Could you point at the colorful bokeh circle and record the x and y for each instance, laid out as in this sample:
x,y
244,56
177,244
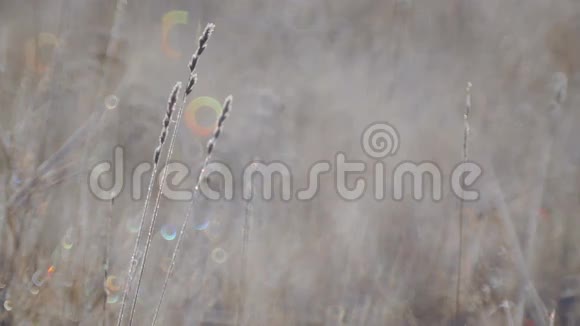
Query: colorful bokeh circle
x,y
202,225
67,241
133,225
191,114
111,102
113,298
112,284
219,255
169,232
38,278
34,290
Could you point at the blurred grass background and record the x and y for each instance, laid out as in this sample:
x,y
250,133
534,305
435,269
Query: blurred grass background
x,y
307,77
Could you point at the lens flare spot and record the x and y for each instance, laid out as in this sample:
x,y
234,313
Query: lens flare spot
x,y
113,298
133,225
191,117
201,226
169,232
219,255
51,271
112,284
38,278
111,102
67,241
34,290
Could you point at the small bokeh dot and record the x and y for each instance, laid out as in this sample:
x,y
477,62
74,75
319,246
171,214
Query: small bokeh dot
x,y
111,102
219,255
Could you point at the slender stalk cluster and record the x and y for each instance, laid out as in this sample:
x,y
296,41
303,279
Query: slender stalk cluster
x,y
192,80
220,125
195,57
210,148
166,121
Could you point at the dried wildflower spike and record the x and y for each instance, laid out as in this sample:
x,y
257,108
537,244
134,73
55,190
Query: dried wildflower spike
x,y
211,144
191,83
167,120
202,44
466,119
218,129
468,98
